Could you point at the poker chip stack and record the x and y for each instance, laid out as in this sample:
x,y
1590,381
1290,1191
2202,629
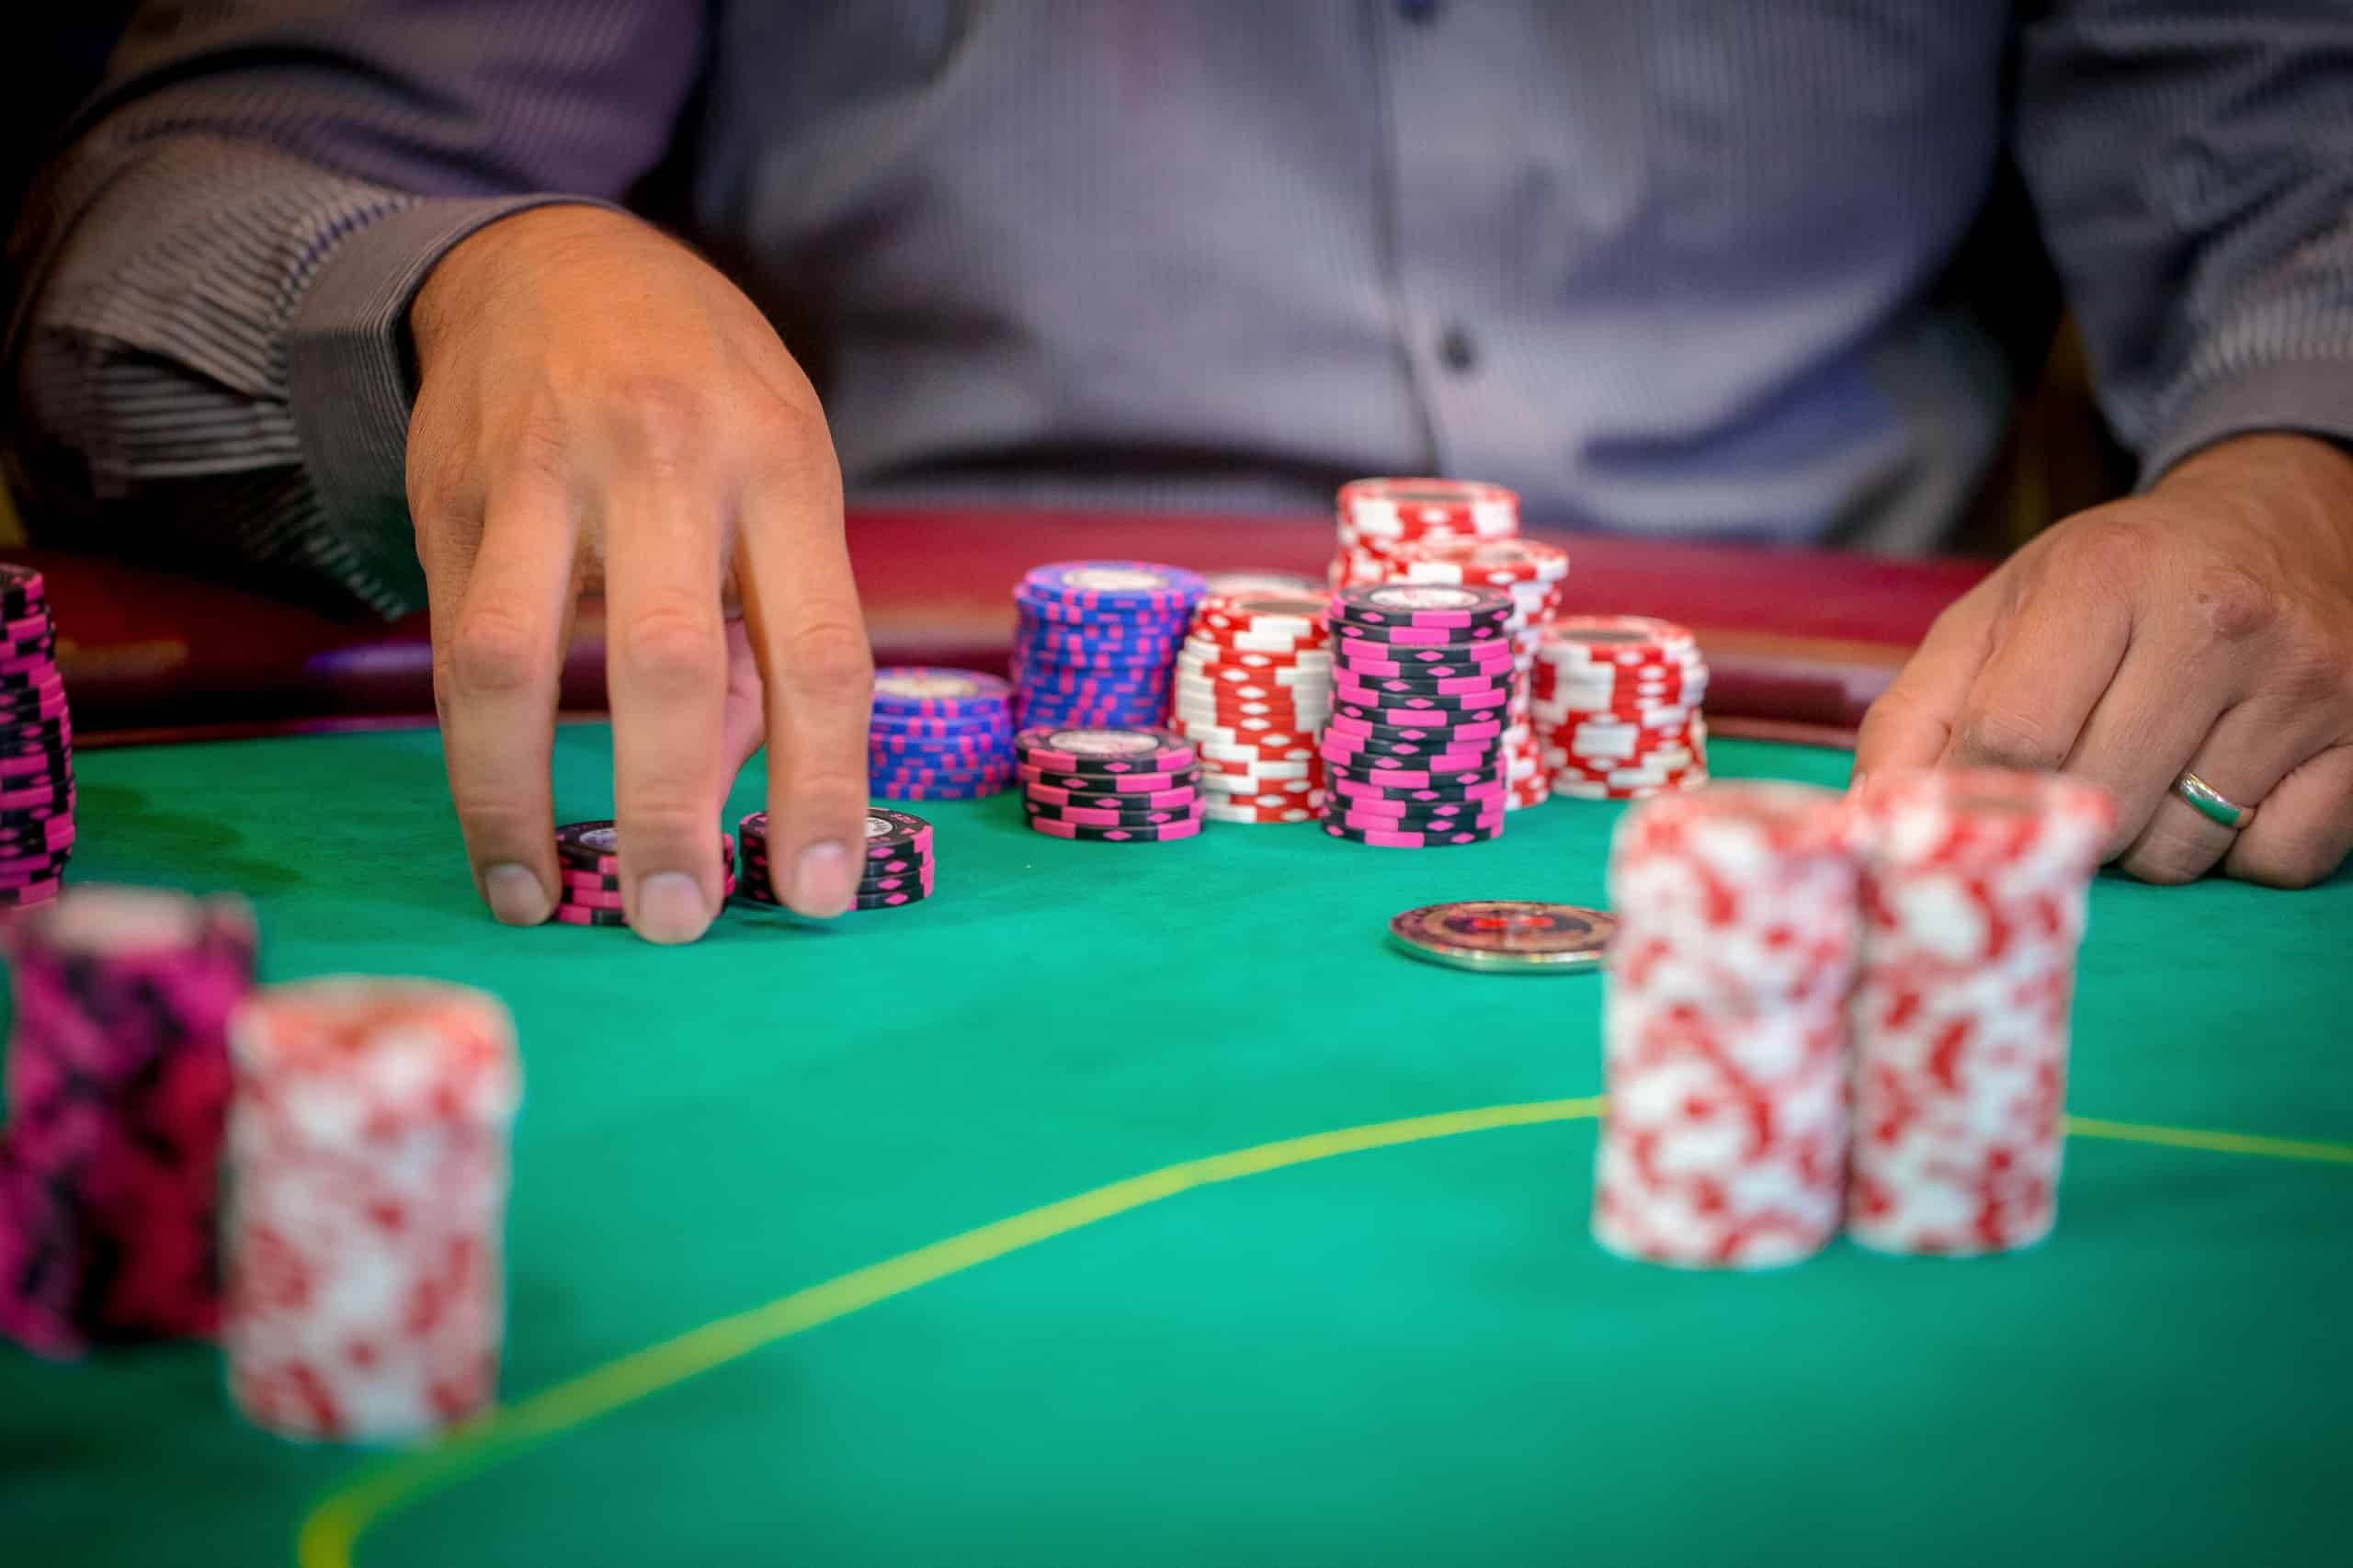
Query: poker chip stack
x,y
588,858
1377,518
1253,691
1531,572
367,1150
1974,885
1111,784
1421,688
36,745
939,734
1096,640
1616,701
118,1083
898,861
1725,1029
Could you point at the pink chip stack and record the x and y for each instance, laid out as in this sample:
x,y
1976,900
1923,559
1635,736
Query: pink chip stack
x,y
117,1082
368,1145
1725,1028
1974,886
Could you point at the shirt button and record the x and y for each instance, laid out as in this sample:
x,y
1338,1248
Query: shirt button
x,y
1421,13
1457,350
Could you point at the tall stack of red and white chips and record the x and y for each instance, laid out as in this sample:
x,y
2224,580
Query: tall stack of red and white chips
x,y
1974,885
1253,691
1379,518
1531,572
1616,701
1725,1028
117,1082
367,1146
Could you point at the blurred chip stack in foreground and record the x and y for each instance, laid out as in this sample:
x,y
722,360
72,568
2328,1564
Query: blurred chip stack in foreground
x,y
1724,1034
367,1146
118,1079
1974,885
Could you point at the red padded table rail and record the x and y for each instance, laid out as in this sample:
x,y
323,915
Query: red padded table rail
x,y
1802,637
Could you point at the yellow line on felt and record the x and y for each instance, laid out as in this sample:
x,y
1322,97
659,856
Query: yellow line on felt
x,y
332,1528
2210,1142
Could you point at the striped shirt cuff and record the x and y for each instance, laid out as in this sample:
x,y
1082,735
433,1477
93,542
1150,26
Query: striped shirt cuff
x,y
348,379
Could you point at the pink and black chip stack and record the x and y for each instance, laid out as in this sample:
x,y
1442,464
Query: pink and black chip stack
x,y
588,857
36,746
1422,677
1111,784
898,861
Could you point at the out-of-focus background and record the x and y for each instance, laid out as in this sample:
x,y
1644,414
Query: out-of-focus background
x,y
146,650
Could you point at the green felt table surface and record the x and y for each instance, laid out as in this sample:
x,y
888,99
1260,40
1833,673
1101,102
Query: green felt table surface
x,y
1412,1353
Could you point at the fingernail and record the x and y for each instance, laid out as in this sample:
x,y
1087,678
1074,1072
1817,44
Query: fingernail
x,y
516,896
1855,785
670,908
824,881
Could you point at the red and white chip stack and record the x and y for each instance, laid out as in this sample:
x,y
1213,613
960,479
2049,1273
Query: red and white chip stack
x,y
369,1126
1253,691
1531,572
1974,886
1725,1028
1616,701
1377,518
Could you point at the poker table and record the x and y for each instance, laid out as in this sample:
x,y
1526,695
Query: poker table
x,y
1136,1203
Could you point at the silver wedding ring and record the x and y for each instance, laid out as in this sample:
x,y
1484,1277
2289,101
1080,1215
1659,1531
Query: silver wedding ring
x,y
2212,803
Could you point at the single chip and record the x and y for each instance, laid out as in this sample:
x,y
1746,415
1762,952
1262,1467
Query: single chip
x,y
1505,936
1143,748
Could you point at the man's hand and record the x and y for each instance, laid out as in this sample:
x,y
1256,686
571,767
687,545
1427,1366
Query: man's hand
x,y
2206,626
596,403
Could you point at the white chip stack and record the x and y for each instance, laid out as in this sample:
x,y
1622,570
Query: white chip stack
x,y
1974,885
1725,1028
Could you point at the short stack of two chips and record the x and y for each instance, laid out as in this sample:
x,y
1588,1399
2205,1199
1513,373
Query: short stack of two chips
x,y
588,859
898,861
939,734
1422,679
1111,784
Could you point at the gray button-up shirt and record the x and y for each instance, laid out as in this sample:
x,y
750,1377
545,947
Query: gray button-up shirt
x,y
1673,265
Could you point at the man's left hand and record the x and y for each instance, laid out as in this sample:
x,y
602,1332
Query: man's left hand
x,y
2205,626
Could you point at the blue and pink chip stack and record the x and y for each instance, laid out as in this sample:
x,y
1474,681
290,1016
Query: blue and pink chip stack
x,y
939,734
1097,640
